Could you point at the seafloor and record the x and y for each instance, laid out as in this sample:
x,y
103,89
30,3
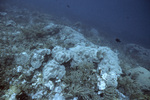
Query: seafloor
x,y
43,57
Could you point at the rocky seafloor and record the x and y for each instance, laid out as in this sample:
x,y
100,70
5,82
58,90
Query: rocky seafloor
x,y
42,58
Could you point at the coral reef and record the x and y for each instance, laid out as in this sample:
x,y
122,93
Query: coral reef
x,y
42,59
131,89
81,82
141,76
141,54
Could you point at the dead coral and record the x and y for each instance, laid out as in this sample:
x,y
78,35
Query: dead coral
x,y
37,31
85,93
33,31
110,93
130,88
81,82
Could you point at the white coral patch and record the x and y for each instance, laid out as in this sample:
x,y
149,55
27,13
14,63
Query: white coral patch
x,y
53,70
101,85
38,57
61,55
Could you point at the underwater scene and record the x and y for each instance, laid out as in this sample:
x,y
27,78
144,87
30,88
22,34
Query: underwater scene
x,y
74,50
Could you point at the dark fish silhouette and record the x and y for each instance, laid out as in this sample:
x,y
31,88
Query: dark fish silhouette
x,y
118,40
68,6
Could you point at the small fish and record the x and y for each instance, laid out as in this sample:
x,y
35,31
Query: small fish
x,y
68,6
117,40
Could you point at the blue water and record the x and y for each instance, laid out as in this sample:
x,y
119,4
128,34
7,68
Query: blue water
x,y
128,19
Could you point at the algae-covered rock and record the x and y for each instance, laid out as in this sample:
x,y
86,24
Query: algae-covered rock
x,y
61,55
38,57
22,58
108,63
140,54
52,28
73,38
53,70
141,76
10,23
3,13
131,89
81,82
109,66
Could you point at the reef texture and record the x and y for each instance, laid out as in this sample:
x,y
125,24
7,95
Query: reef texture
x,y
42,59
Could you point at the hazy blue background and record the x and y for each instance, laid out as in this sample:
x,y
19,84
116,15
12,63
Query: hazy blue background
x,y
125,19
